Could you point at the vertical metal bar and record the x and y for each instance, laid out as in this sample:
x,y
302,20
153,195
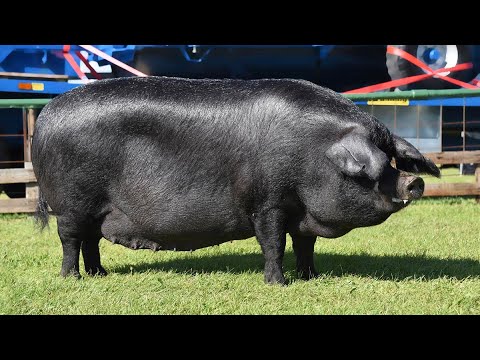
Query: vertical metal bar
x,y
26,148
32,116
31,188
441,127
464,135
395,119
464,127
29,121
477,181
418,128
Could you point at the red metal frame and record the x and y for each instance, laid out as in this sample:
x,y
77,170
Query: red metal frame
x,y
411,79
81,74
107,57
87,64
73,64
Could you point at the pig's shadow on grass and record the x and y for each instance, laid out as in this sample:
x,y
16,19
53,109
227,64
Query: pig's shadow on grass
x,y
378,267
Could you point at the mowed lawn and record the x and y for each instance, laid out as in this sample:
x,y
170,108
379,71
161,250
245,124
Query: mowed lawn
x,y
422,260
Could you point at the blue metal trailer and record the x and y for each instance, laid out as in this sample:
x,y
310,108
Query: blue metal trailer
x,y
55,68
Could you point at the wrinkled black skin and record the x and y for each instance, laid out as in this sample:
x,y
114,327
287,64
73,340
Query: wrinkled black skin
x,y
179,164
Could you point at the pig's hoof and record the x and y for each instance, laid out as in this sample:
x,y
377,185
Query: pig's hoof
x,y
71,272
96,271
307,274
275,279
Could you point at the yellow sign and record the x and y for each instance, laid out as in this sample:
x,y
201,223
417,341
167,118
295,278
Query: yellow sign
x,y
38,86
400,102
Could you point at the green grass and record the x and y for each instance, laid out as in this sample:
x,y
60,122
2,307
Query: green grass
x,y
422,260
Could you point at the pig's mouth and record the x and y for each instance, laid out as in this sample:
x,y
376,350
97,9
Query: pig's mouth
x,y
400,201
394,201
394,204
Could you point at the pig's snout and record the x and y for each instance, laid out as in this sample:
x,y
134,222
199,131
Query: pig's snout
x,y
411,187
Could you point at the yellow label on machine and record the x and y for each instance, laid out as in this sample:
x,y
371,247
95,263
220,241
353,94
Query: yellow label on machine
x,y
400,102
38,86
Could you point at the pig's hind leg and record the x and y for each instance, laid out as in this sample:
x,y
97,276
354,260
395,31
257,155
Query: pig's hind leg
x,y
91,256
76,235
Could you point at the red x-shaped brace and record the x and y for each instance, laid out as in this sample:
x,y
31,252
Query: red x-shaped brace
x,y
81,74
73,64
410,79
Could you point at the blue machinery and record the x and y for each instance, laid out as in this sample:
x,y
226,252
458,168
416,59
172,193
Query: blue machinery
x,y
51,70
47,69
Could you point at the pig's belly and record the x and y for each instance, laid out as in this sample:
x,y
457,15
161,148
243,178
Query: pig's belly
x,y
177,241
182,242
176,224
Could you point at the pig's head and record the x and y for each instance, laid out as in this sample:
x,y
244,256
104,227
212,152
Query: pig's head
x,y
358,186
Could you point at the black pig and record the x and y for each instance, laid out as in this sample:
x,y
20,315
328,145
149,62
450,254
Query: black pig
x,y
177,164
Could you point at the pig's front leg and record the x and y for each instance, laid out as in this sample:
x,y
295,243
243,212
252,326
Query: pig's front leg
x,y
303,248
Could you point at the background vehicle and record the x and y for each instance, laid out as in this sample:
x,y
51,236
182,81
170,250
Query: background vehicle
x,y
339,67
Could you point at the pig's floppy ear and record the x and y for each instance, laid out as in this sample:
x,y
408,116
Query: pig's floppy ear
x,y
409,159
356,155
